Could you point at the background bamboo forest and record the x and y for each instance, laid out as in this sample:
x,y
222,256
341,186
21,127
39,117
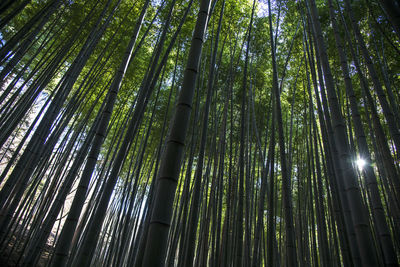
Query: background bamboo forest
x,y
199,133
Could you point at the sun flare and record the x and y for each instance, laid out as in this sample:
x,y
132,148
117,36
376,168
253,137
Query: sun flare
x,y
360,163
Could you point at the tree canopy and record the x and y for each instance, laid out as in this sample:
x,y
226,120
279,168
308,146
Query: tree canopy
x,y
199,133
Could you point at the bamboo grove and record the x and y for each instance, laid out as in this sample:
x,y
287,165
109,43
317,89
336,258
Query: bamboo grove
x,y
199,133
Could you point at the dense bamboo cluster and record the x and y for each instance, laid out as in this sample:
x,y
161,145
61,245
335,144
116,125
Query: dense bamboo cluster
x,y
199,133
